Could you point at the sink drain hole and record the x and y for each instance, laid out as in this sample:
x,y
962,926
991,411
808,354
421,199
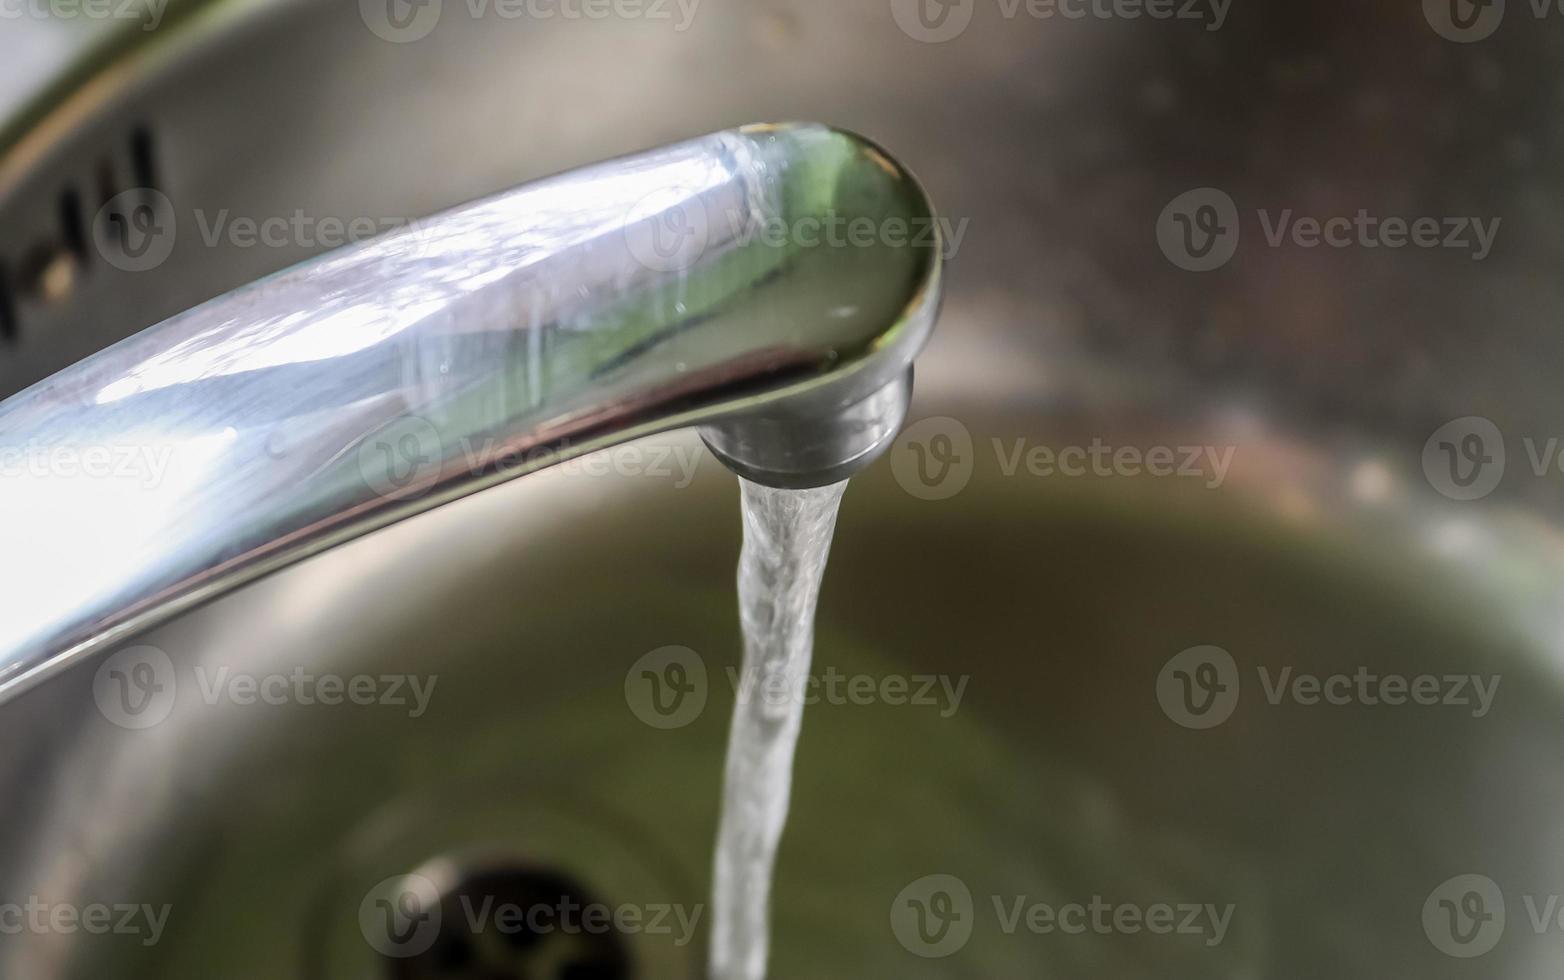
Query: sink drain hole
x,y
518,923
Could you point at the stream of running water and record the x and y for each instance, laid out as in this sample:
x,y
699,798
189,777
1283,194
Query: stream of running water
x,y
787,538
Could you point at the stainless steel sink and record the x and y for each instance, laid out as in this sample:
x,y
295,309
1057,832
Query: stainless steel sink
x,y
1087,755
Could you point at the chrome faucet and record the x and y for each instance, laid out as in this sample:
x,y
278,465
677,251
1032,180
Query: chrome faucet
x,y
770,285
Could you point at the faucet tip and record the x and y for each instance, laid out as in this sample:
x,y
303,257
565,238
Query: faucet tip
x,y
801,446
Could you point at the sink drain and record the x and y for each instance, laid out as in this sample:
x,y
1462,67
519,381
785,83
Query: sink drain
x,y
518,923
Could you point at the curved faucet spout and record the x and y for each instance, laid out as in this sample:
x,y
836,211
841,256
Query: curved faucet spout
x,y
770,285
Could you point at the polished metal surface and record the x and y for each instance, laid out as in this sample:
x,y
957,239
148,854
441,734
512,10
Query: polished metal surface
x,y
1334,542
656,291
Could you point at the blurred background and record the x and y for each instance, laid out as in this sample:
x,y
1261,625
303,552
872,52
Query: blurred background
x,y
1205,620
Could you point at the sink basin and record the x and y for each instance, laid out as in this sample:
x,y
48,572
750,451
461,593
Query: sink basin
x,y
1077,715
996,716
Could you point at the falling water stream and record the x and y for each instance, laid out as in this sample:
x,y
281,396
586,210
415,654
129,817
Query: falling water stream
x,y
787,538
